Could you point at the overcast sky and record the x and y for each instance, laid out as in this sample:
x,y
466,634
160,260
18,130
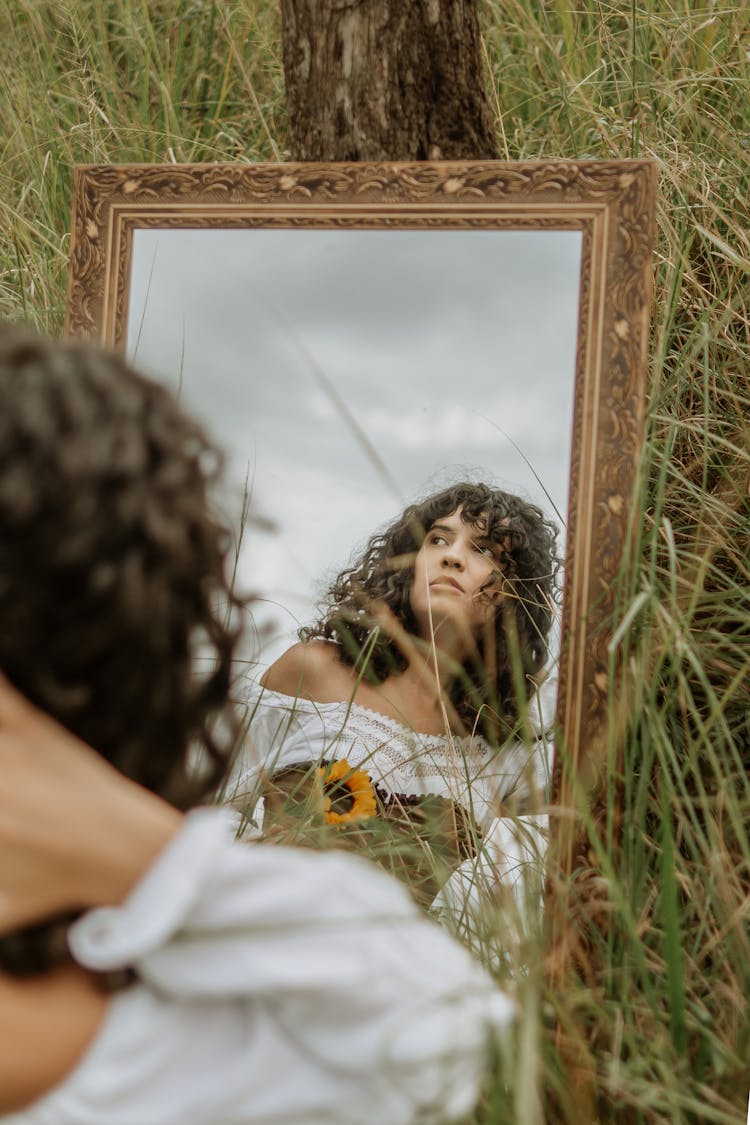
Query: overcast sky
x,y
352,371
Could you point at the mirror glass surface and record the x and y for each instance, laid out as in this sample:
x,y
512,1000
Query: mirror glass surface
x,y
348,372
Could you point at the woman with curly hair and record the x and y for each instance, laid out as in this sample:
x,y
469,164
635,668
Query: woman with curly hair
x,y
152,969
418,677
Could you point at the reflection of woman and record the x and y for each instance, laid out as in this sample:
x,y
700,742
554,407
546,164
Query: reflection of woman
x,y
419,674
246,984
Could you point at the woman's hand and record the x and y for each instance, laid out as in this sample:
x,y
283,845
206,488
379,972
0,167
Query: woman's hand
x,y
74,833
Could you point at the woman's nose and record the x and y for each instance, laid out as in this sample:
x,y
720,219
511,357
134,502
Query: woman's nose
x,y
453,557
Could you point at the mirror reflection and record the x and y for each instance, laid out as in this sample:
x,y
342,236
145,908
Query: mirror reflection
x,y
347,373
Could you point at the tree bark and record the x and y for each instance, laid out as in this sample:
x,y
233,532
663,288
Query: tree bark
x,y
385,80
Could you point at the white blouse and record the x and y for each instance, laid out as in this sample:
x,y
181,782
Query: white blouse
x,y
504,790
279,986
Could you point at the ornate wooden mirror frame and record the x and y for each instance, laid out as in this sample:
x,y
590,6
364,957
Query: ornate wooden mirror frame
x,y
610,203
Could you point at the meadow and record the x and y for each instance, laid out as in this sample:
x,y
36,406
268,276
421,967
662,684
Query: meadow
x,y
658,1012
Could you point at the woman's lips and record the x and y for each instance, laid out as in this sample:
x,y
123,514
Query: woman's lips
x,y
450,582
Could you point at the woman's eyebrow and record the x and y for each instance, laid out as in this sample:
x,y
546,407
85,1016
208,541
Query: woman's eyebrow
x,y
440,527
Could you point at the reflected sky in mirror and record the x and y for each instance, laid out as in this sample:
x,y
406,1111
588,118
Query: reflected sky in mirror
x,y
346,373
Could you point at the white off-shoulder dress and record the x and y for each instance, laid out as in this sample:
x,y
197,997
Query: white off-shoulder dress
x,y
504,790
275,986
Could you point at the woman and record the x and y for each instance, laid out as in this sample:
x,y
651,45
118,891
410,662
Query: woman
x,y
411,693
151,969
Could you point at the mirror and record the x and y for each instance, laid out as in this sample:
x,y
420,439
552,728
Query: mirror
x,y
358,335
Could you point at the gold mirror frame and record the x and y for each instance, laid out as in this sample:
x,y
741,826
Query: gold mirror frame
x,y
610,203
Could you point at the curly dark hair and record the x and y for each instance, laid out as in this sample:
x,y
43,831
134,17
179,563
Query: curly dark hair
x,y
485,692
117,617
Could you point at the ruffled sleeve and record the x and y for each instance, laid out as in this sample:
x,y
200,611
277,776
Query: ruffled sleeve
x,y
389,1018
282,731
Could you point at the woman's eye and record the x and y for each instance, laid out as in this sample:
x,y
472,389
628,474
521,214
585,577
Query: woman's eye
x,y
485,549
437,540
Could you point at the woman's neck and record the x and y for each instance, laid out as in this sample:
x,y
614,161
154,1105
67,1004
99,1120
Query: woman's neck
x,y
432,669
445,650
415,698
421,692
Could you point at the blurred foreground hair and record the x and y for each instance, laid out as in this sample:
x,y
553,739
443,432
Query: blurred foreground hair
x,y
117,616
484,694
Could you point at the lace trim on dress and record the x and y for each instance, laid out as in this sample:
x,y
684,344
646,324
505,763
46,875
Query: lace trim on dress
x,y
286,731
368,724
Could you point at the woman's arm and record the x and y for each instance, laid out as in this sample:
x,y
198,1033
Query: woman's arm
x,y
74,833
46,1024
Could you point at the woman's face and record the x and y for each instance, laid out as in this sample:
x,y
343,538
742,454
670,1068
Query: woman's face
x,y
456,576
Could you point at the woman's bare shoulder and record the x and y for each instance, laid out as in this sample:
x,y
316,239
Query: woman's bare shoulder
x,y
310,670
46,1025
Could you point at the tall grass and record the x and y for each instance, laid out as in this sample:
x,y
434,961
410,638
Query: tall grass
x,y
657,1014
122,81
661,999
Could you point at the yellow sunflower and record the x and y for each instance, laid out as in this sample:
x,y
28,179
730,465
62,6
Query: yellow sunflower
x,y
348,795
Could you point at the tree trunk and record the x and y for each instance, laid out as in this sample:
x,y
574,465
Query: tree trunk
x,y
385,80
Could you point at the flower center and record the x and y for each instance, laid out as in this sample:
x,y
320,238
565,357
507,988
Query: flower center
x,y
341,797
